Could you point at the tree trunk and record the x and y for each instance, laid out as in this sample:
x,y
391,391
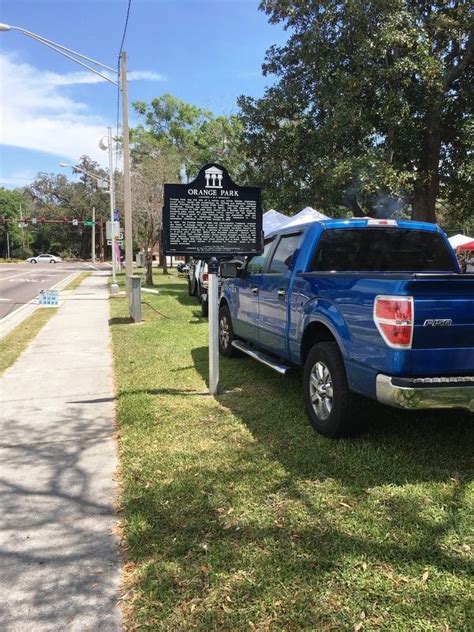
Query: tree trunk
x,y
427,187
163,261
149,268
350,200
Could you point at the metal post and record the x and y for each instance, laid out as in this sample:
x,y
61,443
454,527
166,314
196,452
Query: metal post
x,y
8,246
213,298
114,286
101,241
135,298
93,236
126,169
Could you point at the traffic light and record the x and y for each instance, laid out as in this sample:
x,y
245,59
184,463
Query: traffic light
x,y
2,220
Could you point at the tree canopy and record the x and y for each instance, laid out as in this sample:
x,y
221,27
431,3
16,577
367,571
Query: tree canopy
x,y
371,108
196,135
53,196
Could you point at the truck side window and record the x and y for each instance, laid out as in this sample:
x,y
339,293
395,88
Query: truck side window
x,y
284,253
255,263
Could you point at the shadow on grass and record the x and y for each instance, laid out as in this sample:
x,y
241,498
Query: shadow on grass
x,y
120,320
394,446
183,524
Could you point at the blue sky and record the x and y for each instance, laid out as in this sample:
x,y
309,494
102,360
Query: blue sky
x,y
206,52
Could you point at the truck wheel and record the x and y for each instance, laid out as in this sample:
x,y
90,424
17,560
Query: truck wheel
x,y
204,306
190,288
226,333
332,408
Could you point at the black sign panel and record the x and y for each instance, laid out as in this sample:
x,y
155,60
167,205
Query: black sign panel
x,y
212,216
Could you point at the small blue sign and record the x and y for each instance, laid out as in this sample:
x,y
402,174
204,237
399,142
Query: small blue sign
x,y
49,297
116,215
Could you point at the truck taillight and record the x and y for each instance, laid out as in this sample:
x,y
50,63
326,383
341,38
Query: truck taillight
x,y
394,318
205,277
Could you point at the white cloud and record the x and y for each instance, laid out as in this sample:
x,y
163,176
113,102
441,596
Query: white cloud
x,y
36,112
76,78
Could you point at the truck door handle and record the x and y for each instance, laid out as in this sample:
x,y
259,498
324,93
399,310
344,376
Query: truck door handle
x,y
255,290
281,293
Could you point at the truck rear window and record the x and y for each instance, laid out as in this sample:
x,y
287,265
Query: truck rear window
x,y
381,249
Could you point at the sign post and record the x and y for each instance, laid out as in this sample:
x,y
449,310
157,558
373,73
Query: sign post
x,y
211,218
213,298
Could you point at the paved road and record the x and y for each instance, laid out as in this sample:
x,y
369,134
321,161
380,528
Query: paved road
x,y
20,283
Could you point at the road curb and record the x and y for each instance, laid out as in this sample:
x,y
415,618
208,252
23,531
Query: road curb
x,y
8,323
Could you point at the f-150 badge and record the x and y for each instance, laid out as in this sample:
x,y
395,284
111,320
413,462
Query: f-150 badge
x,y
438,322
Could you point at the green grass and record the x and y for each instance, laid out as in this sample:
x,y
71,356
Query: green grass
x,y
76,282
237,516
13,345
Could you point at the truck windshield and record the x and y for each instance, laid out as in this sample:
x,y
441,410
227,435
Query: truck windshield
x,y
380,250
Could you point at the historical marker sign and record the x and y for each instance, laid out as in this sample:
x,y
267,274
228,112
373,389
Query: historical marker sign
x,y
212,216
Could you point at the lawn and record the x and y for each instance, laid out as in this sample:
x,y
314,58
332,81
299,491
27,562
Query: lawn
x,y
237,516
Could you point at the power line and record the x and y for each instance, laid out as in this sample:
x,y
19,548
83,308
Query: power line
x,y
125,27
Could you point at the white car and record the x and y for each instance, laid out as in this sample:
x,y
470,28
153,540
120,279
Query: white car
x,y
44,259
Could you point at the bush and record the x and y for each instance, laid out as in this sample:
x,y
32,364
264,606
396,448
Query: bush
x,y
21,253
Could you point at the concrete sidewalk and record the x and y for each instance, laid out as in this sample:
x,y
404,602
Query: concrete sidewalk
x,y
59,562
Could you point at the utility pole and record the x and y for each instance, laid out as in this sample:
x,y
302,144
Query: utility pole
x,y
93,235
8,246
126,170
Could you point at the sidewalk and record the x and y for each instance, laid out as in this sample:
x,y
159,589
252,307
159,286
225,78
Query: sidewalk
x,y
59,564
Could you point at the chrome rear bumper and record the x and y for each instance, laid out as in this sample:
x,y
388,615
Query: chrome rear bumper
x,y
418,393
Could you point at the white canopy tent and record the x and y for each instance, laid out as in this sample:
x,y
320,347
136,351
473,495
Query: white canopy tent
x,y
308,214
459,240
272,220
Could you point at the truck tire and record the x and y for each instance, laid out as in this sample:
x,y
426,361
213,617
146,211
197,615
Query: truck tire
x,y
331,407
226,333
190,288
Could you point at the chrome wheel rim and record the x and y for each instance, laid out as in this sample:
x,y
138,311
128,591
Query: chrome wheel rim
x,y
321,390
224,332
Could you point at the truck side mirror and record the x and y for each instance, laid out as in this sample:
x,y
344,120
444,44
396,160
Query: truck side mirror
x,y
230,269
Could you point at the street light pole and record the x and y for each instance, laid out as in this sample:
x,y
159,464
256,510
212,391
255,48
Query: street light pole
x,y
121,82
102,145
126,170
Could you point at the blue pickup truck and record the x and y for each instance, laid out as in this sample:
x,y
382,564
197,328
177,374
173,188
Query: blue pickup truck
x,y
368,307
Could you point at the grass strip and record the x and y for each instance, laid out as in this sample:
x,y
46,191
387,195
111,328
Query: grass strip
x,y
76,282
237,516
13,344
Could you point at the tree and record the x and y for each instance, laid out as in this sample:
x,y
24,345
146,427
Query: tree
x,y
155,167
53,196
12,205
194,134
174,141
372,105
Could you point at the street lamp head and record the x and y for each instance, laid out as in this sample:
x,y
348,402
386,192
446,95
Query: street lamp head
x,y
64,164
5,27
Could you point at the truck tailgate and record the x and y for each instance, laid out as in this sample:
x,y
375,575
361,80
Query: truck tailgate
x,y
443,338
